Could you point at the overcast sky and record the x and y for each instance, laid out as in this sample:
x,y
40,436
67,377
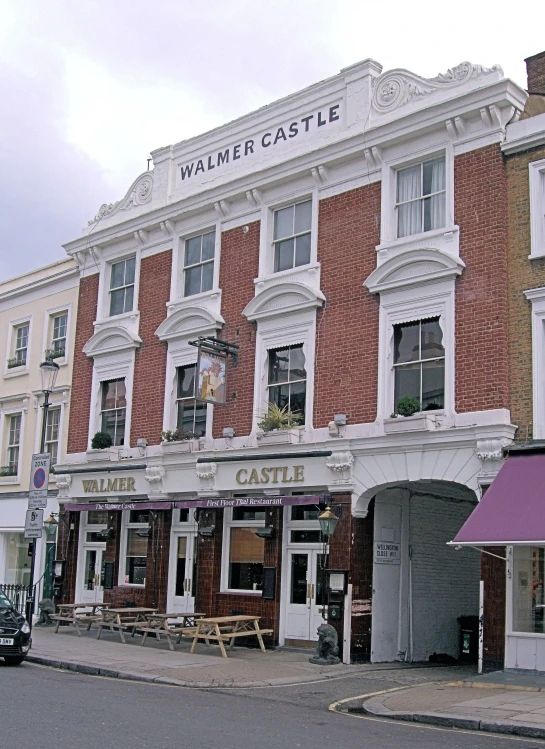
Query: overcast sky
x,y
89,87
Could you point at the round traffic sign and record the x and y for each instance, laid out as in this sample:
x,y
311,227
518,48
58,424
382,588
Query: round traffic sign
x,y
39,478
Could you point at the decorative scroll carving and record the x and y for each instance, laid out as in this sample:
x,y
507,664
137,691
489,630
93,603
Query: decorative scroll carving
x,y
491,449
341,461
154,475
139,193
206,471
396,88
63,484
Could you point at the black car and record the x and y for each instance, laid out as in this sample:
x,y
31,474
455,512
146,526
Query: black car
x,y
14,633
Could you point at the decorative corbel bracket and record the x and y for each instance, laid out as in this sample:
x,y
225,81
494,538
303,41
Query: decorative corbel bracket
x,y
167,227
373,156
141,236
254,198
319,175
222,208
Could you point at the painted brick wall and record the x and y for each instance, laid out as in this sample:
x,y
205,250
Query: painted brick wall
x,y
82,376
150,359
523,274
535,71
239,266
445,582
480,205
347,327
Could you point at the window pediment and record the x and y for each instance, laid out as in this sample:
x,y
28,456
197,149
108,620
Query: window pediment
x,y
111,339
414,268
189,321
281,298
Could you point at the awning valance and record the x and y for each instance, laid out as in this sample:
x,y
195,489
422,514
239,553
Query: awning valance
x,y
218,503
512,511
118,506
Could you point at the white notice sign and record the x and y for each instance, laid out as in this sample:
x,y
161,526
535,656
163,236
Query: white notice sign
x,y
34,523
39,480
387,553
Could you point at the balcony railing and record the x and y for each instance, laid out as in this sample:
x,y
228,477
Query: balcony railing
x,y
8,470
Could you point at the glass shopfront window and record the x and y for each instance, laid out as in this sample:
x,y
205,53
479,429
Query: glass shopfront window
x,y
135,546
17,561
528,584
246,552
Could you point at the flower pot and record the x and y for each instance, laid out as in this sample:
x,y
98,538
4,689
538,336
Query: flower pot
x,y
281,436
416,423
98,455
182,446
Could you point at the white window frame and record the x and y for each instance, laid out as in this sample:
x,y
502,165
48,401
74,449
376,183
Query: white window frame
x,y
435,300
215,274
421,361
195,403
390,168
103,311
280,332
177,281
12,342
113,366
54,409
287,382
48,331
537,299
537,208
180,354
421,198
125,526
267,249
9,445
293,236
124,286
229,523
108,410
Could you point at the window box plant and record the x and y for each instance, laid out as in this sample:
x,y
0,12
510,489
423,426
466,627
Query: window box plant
x,y
178,441
279,425
16,361
100,446
409,417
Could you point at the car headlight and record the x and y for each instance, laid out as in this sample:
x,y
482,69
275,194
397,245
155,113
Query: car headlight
x,y
25,629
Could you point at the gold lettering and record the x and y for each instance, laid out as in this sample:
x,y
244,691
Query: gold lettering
x,y
112,485
253,477
264,476
298,473
130,485
285,479
102,487
122,485
275,474
238,477
88,485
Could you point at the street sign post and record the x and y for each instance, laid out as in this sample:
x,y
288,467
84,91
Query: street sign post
x,y
39,481
34,523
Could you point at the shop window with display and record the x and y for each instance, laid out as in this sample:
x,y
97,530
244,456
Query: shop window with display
x,y
243,550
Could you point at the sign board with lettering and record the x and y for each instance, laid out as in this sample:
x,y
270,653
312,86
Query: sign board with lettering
x,y
39,481
34,523
386,552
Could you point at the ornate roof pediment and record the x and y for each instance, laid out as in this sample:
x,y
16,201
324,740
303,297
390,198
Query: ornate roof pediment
x,y
289,296
188,321
109,340
414,268
139,193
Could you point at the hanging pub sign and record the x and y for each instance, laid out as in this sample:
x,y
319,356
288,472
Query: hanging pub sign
x,y
211,385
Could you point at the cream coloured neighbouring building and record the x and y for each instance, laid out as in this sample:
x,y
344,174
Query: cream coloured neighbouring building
x,y
37,320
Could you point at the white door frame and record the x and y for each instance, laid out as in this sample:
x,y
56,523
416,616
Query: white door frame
x,y
187,528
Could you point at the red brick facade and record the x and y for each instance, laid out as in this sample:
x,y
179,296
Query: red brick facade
x,y
151,356
480,210
239,265
82,377
347,326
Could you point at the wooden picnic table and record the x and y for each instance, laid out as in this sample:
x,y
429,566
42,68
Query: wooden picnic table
x,y
224,628
121,619
162,624
70,613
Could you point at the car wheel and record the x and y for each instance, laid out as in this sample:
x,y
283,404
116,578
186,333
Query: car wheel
x,y
14,660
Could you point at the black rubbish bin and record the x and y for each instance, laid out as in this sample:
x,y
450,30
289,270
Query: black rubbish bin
x,y
469,639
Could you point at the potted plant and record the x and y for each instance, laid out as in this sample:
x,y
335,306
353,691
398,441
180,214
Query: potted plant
x,y
408,405
100,442
413,419
179,440
278,424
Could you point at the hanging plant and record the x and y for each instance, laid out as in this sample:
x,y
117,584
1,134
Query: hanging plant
x,y
279,418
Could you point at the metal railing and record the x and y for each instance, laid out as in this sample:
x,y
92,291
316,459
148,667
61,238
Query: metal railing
x,y
17,594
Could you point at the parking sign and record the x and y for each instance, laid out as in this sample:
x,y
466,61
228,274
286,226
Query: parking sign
x,y
39,480
34,522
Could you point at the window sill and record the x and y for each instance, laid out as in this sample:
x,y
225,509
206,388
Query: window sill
x,y
526,634
131,585
447,234
416,422
251,593
16,372
9,480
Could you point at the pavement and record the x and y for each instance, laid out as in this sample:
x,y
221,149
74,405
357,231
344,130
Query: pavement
x,y
502,702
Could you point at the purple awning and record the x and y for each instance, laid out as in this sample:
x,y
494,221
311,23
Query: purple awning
x,y
513,509
218,503
119,506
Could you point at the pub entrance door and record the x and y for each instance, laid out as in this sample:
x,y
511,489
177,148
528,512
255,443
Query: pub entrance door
x,y
304,604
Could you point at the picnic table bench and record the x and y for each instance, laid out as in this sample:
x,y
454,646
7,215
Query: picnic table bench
x,y
159,624
122,619
222,629
78,613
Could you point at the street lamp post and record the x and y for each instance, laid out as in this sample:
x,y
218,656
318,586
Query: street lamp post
x,y
328,521
48,371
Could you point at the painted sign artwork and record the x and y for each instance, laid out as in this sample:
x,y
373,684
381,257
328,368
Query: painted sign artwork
x,y
211,383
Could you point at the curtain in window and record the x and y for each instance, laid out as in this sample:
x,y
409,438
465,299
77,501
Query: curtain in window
x,y
409,219
437,201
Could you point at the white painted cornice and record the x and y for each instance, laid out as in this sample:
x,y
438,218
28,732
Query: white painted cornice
x,y
281,299
191,320
524,134
414,268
